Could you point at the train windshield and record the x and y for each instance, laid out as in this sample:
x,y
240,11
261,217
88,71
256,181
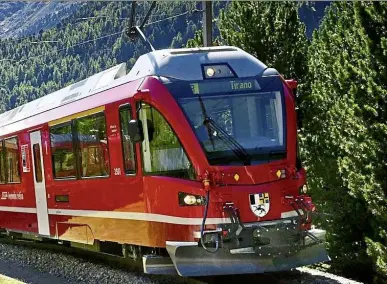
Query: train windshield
x,y
236,121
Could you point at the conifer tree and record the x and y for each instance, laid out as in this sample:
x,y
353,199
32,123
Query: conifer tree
x,y
270,31
345,134
29,71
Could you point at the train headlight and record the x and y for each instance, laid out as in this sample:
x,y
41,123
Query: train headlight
x,y
210,72
187,199
214,71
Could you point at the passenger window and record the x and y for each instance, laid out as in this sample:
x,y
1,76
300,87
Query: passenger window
x,y
162,152
12,160
2,163
127,145
37,163
62,149
93,145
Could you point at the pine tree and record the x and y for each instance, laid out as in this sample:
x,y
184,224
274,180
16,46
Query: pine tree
x,y
344,135
25,68
270,31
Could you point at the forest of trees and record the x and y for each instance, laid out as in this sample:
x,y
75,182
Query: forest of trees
x,y
341,102
342,106
33,66
341,99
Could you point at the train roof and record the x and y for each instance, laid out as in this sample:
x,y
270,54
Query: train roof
x,y
182,64
71,93
186,63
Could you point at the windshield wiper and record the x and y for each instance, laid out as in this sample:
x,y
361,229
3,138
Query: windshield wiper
x,y
232,143
229,140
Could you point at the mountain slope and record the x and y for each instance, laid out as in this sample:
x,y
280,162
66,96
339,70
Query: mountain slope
x,y
26,18
76,48
70,52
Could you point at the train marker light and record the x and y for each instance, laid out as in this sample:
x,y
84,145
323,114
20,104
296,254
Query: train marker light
x,y
236,177
281,174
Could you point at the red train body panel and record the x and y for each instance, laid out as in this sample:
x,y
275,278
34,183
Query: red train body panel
x,y
127,204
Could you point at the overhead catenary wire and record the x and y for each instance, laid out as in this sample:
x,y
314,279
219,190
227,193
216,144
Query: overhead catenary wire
x,y
81,20
44,41
64,49
95,39
172,17
77,20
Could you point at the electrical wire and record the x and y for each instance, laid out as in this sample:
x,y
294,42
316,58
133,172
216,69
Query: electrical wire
x,y
44,41
77,20
172,17
203,225
64,49
92,40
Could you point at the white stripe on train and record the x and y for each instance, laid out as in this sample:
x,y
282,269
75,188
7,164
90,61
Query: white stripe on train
x,y
18,209
137,216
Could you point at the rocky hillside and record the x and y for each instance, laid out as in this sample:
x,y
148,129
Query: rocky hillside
x,y
26,18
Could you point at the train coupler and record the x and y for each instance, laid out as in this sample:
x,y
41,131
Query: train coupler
x,y
235,228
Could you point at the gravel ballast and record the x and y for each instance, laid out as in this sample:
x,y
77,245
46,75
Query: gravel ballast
x,y
37,266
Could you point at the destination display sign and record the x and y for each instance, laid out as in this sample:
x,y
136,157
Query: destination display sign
x,y
233,85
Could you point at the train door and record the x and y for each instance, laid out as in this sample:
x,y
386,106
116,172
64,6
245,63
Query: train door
x,y
39,183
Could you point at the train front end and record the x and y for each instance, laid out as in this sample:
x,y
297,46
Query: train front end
x,y
240,130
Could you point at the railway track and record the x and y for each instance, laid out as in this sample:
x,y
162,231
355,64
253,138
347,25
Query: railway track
x,y
92,267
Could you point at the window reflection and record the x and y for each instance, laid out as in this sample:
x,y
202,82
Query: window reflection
x,y
12,160
161,149
92,138
63,151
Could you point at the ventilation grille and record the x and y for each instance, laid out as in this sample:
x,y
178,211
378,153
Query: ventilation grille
x,y
78,84
70,98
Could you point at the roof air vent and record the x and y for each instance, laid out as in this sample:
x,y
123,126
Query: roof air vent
x,y
110,75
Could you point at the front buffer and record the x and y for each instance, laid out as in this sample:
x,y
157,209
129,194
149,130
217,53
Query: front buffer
x,y
257,248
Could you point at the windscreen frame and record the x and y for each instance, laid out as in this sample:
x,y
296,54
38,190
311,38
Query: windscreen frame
x,y
177,89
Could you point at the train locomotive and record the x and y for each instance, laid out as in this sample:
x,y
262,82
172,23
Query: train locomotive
x,y
188,163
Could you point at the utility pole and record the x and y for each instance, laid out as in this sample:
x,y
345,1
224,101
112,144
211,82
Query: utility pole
x,y
207,23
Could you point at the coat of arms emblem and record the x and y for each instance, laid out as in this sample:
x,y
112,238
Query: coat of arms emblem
x,y
260,203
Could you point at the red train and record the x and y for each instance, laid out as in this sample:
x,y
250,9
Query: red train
x,y
189,162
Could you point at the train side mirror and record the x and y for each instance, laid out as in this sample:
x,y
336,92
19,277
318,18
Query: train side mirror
x,y
135,131
292,84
